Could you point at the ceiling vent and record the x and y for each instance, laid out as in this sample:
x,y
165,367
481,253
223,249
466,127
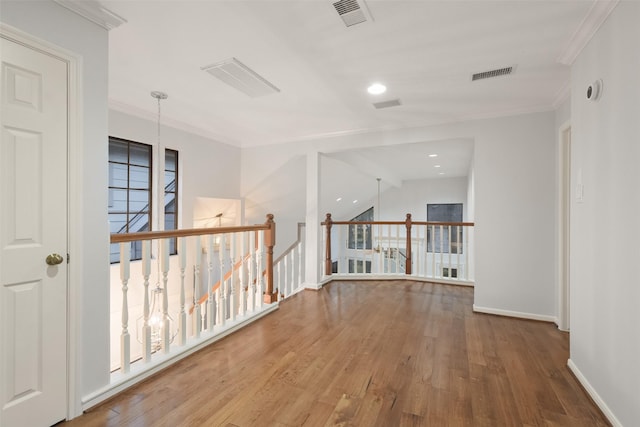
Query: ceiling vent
x,y
493,73
239,76
352,12
387,104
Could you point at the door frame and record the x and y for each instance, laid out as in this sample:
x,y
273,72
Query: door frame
x,y
74,212
564,226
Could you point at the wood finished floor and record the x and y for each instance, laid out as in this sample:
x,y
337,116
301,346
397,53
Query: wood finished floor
x,y
367,354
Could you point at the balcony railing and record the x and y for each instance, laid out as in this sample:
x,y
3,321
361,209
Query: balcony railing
x,y
221,278
439,251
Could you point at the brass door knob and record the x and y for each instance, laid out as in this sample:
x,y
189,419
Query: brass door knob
x,y
54,259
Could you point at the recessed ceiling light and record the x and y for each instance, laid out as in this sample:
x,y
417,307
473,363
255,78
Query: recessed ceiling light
x,y
441,173
433,155
338,199
355,201
436,166
377,89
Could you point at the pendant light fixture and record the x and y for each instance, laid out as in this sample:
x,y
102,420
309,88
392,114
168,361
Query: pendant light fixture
x,y
156,315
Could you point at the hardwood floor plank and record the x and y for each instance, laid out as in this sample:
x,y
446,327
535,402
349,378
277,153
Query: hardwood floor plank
x,y
392,353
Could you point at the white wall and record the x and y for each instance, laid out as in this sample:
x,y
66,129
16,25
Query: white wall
x,y
281,193
48,21
605,291
514,166
514,183
414,195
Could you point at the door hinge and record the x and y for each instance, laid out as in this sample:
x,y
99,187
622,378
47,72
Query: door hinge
x,y
68,258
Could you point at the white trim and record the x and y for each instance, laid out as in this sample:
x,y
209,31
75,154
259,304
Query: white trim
x,y
518,314
74,205
94,12
141,371
593,394
367,276
562,301
596,16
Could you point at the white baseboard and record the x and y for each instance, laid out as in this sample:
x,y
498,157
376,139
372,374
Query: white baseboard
x,y
141,371
518,314
594,394
369,276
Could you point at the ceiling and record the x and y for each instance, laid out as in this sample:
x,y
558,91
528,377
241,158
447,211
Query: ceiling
x,y
424,52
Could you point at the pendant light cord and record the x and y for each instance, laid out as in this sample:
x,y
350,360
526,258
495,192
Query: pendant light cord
x,y
159,96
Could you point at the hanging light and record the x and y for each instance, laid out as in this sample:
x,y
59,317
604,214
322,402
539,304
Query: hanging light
x,y
156,323
156,315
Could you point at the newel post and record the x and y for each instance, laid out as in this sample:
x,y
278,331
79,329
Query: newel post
x,y
327,258
408,263
270,295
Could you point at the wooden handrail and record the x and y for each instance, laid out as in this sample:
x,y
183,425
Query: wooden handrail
x,y
269,242
408,223
150,235
434,223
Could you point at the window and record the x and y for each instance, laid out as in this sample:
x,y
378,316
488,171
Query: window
x,y
131,195
360,235
170,195
447,212
129,191
359,266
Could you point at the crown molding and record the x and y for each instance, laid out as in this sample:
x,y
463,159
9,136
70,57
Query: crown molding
x,y
596,16
93,11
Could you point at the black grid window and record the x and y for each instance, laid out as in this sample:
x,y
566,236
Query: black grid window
x,y
171,195
129,191
445,212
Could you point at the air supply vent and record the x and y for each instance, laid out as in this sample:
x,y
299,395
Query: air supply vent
x,y
493,73
239,76
387,104
350,11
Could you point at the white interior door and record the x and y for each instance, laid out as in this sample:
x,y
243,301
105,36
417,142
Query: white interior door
x,y
33,221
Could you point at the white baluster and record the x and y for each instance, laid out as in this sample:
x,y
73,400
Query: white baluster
x,y
278,278
251,288
397,249
292,262
182,317
164,266
388,248
232,279
146,328
449,257
283,286
197,315
433,251
465,249
458,243
222,299
416,242
242,304
260,277
125,338
300,263
441,234
211,307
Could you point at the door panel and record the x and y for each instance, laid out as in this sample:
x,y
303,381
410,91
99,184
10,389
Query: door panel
x,y
33,224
